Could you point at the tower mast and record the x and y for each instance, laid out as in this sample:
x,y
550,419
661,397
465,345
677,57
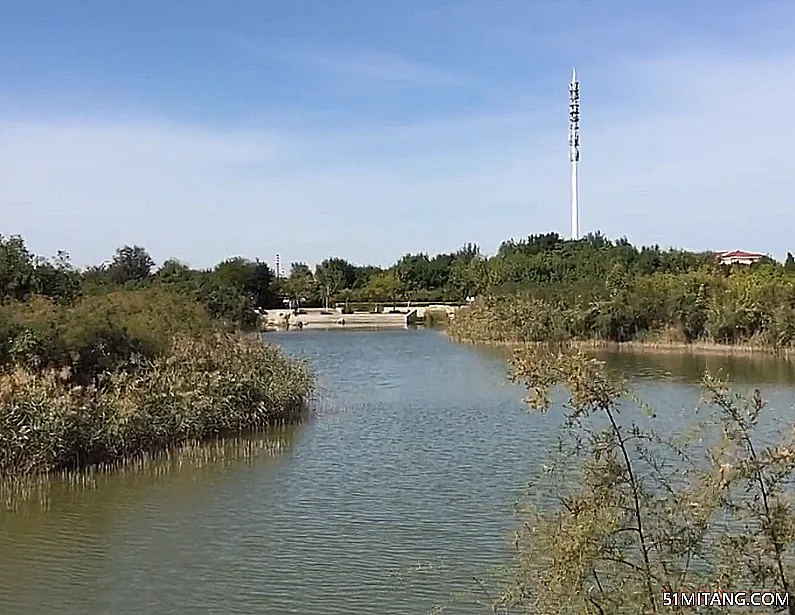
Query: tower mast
x,y
574,152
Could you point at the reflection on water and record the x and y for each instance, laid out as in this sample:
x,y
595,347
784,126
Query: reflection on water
x,y
189,463
394,497
750,369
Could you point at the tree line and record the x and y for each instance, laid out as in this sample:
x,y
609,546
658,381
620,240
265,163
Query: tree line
x,y
113,363
593,287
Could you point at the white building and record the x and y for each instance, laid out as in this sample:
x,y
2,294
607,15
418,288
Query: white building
x,y
739,257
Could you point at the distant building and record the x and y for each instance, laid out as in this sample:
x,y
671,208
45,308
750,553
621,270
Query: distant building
x,y
739,257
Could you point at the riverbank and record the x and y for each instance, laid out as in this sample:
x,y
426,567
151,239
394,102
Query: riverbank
x,y
133,373
660,347
683,347
516,319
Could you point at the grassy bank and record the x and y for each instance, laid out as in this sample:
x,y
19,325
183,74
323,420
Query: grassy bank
x,y
646,347
110,378
718,323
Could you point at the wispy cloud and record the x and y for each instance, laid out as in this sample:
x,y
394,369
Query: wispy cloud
x,y
369,65
381,66
698,158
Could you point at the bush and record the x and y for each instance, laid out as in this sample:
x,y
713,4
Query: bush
x,y
623,515
203,388
744,308
97,333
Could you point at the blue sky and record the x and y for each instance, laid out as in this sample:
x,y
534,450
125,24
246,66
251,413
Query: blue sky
x,y
368,129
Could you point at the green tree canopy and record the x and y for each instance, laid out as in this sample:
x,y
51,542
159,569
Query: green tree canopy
x,y
130,264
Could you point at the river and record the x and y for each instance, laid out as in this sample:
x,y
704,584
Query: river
x,y
395,495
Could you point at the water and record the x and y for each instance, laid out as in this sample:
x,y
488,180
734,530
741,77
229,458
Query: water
x,y
395,496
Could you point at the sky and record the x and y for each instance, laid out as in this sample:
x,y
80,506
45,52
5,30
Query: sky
x,y
368,130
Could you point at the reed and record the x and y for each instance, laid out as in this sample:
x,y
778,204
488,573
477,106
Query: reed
x,y
203,388
437,318
507,320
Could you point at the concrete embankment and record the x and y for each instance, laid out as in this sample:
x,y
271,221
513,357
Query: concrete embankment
x,y
313,318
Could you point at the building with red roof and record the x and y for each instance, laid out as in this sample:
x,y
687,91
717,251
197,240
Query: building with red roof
x,y
739,257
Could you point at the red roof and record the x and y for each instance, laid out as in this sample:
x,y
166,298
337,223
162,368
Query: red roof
x,y
740,254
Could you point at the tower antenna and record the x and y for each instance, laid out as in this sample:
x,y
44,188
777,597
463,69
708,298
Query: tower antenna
x,y
574,152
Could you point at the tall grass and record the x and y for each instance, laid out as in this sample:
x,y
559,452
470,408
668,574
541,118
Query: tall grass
x,y
662,318
437,318
137,375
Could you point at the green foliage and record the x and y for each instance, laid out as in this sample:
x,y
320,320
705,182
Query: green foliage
x,y
254,279
16,268
201,388
383,287
332,276
22,274
97,333
750,306
300,284
594,269
229,305
130,264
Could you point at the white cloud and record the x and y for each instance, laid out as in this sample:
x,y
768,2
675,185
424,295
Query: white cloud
x,y
366,64
382,66
699,158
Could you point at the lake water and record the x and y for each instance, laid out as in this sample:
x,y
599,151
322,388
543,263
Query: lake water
x,y
393,497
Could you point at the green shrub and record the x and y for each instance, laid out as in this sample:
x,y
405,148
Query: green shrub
x,y
97,333
203,388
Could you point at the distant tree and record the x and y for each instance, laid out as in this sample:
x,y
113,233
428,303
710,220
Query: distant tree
x,y
233,272
467,253
384,287
790,262
22,274
261,285
56,278
253,278
418,272
301,283
178,276
16,268
597,240
364,274
130,264
332,275
173,269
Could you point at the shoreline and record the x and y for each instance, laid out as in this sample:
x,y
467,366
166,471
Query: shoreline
x,y
685,348
701,348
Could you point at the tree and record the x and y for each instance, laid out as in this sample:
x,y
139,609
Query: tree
x,y
16,268
364,274
383,287
130,264
418,272
332,275
261,285
789,264
56,278
173,270
301,283
252,278
22,274
467,253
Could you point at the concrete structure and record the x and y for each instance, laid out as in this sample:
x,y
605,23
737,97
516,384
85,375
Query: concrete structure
x,y
574,152
739,257
317,318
